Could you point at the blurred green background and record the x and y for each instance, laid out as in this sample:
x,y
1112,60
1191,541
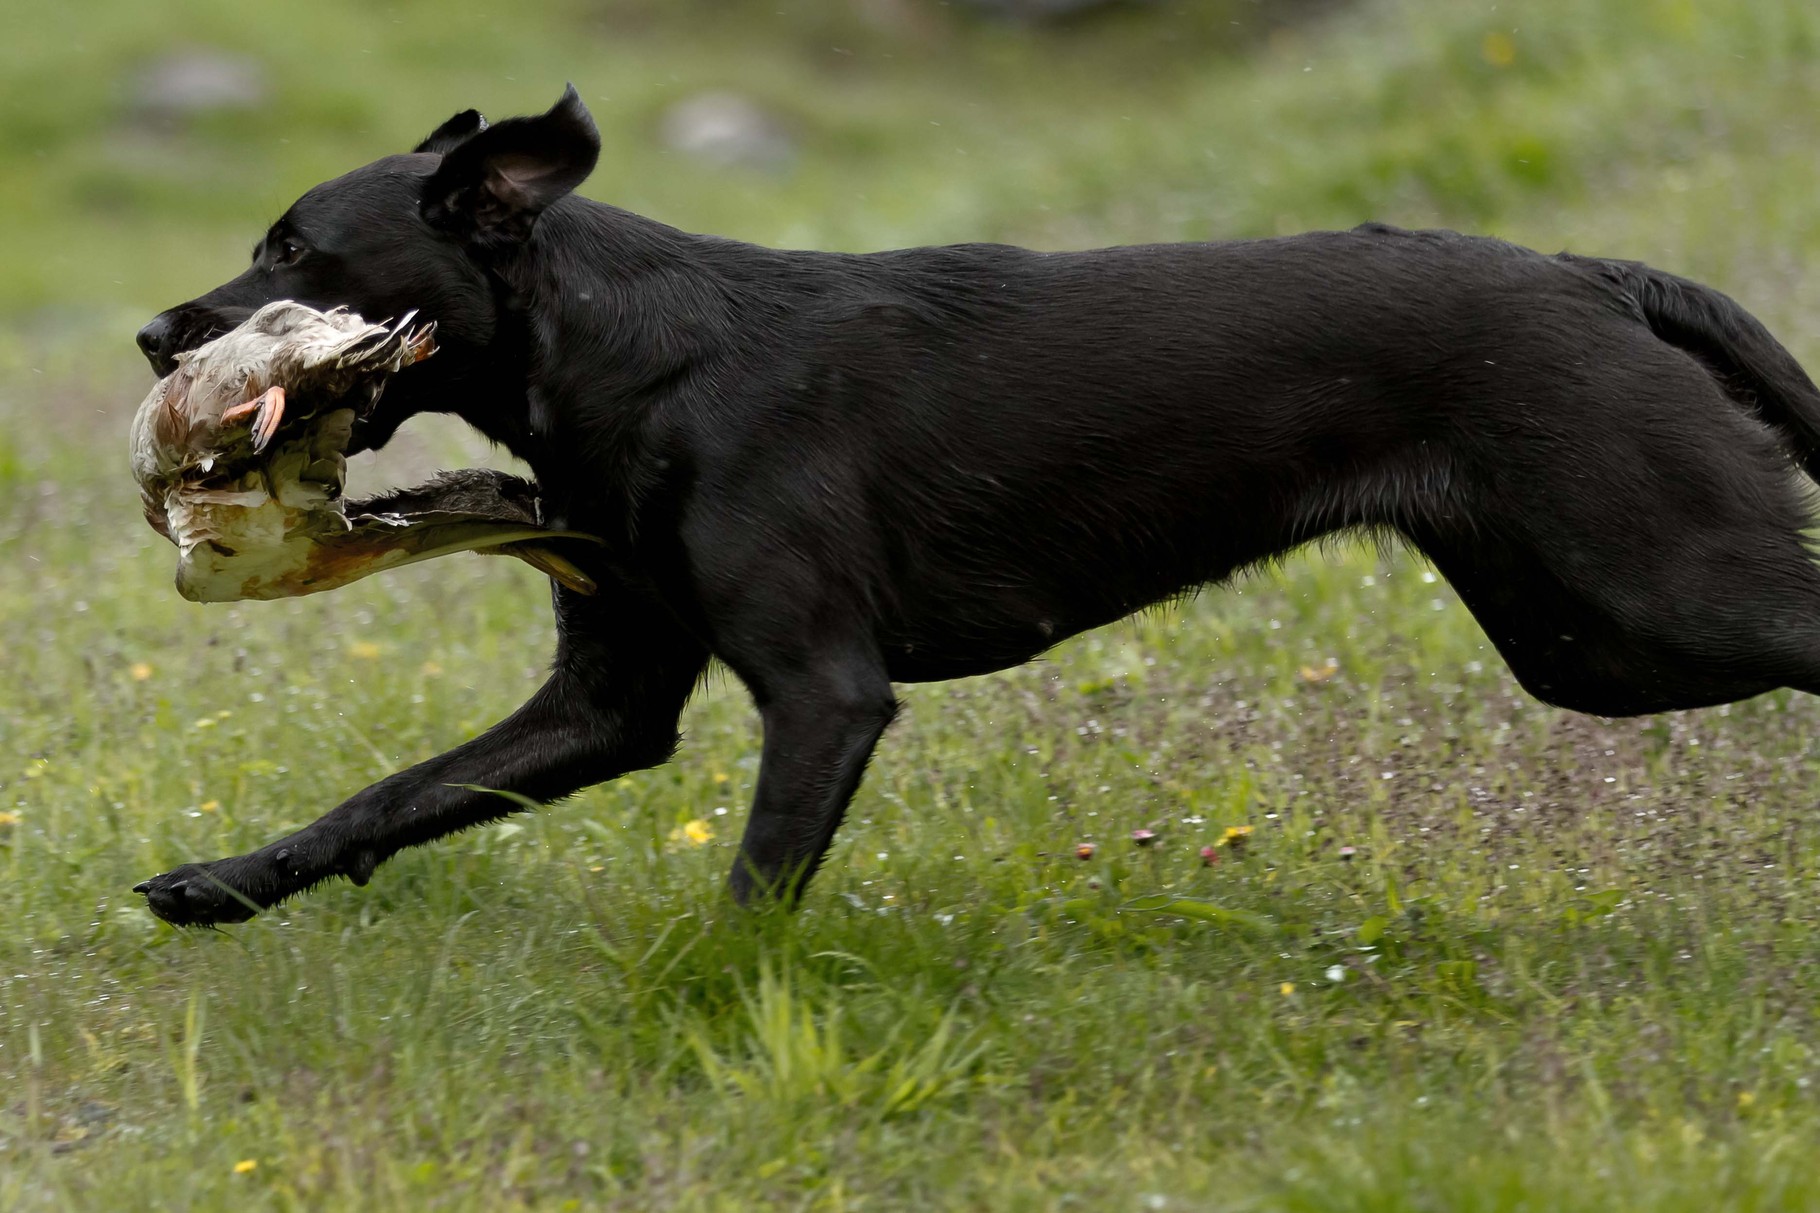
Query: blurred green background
x,y
146,144
1559,963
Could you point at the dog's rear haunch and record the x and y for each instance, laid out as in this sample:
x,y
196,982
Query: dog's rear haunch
x,y
835,471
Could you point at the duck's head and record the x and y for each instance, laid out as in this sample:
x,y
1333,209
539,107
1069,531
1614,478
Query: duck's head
x,y
427,232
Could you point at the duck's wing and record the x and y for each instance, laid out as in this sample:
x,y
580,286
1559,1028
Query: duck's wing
x,y
306,563
473,510
267,552
376,543
340,342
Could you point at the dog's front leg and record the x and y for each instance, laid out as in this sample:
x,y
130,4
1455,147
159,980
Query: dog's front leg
x,y
820,726
623,672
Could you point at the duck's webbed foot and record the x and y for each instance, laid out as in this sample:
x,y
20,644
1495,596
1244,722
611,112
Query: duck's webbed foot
x,y
266,410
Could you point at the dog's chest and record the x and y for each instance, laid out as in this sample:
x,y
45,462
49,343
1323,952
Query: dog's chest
x,y
540,417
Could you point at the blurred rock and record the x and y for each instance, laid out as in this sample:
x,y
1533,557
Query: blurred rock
x,y
728,130
184,83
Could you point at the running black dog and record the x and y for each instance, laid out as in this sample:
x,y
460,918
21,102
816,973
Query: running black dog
x,y
834,472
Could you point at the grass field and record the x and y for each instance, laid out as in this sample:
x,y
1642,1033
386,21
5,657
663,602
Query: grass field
x,y
1472,953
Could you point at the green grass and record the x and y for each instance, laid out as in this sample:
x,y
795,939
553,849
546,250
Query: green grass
x,y
1573,964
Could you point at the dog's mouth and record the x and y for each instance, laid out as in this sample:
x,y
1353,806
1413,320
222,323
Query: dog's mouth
x,y
251,490
180,331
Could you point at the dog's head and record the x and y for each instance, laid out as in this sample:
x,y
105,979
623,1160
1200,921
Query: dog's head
x,y
418,232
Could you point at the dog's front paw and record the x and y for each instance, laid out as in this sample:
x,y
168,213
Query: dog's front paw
x,y
197,895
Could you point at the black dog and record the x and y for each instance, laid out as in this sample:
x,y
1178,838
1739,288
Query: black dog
x,y
834,472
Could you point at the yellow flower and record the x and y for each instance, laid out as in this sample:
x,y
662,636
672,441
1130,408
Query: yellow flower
x,y
1499,49
139,671
209,806
366,650
1236,837
246,1165
1320,673
720,777
695,833
1286,989
8,820
432,669
1745,1100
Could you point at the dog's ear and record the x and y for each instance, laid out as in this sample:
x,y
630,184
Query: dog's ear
x,y
491,187
453,132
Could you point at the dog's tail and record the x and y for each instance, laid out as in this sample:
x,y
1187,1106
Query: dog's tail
x,y
1749,362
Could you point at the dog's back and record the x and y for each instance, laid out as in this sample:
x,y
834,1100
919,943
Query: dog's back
x,y
1000,448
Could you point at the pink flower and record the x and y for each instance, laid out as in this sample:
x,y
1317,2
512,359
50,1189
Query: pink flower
x,y
1143,837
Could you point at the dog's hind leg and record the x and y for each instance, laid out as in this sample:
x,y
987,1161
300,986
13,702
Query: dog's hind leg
x,y
1658,653
1676,574
1626,520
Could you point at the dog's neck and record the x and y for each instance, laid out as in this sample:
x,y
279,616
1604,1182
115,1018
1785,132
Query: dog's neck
x,y
614,310
600,318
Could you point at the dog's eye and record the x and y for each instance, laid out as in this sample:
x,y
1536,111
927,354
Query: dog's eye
x,y
289,252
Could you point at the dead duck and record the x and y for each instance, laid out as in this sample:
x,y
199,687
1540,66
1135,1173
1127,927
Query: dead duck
x,y
227,398
240,458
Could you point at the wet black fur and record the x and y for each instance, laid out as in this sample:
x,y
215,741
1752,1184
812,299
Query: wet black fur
x,y
834,472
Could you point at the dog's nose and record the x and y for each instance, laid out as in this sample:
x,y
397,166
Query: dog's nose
x,y
156,339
